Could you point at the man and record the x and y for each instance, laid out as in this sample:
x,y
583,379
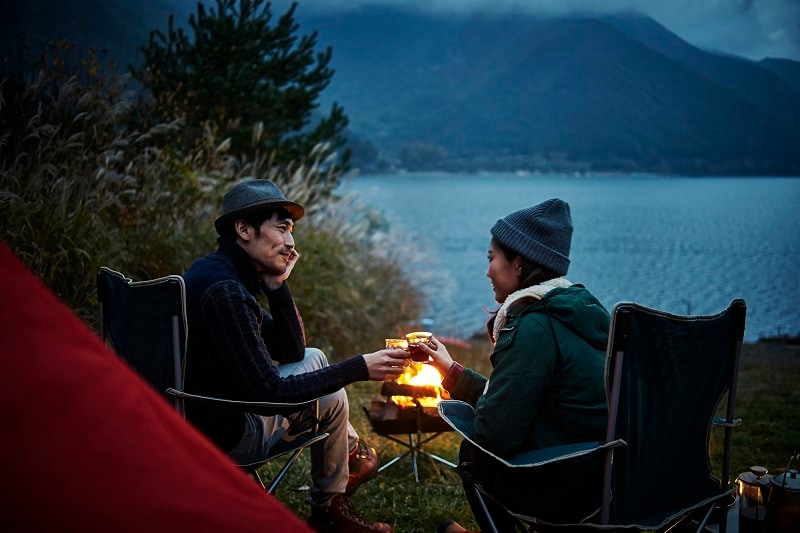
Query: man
x,y
239,350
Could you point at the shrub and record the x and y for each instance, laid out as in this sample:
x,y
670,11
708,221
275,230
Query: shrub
x,y
80,188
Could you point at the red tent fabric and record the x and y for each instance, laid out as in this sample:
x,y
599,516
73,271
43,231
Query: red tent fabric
x,y
88,445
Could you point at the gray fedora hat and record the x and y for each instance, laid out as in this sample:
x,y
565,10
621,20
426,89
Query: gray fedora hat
x,y
253,196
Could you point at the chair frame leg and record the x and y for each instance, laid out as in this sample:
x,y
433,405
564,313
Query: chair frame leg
x,y
275,482
485,510
519,524
257,479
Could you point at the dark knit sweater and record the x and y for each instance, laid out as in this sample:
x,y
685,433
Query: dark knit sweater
x,y
234,344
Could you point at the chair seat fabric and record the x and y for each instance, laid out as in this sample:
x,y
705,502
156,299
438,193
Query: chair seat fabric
x,y
284,447
460,415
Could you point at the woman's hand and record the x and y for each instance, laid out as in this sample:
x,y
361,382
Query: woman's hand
x,y
438,352
386,365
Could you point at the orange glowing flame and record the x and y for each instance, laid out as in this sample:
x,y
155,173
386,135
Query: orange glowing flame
x,y
420,375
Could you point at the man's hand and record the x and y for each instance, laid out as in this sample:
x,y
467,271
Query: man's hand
x,y
386,365
274,281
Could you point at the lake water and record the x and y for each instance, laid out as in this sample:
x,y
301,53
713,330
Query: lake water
x,y
680,244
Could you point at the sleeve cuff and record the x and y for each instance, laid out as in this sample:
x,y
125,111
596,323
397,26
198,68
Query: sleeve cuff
x,y
451,378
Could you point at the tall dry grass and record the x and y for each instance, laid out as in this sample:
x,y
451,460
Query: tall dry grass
x,y
84,184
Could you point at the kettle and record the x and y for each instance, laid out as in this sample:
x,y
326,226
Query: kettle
x,y
783,505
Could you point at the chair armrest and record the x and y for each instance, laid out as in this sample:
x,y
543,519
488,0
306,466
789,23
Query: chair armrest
x,y
722,422
460,415
558,453
259,408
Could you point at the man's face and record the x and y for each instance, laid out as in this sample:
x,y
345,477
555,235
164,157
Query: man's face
x,y
272,247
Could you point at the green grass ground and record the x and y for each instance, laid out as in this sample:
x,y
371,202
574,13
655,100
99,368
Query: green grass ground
x,y
767,402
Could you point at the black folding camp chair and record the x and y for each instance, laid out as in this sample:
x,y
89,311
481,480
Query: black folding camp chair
x,y
666,377
145,323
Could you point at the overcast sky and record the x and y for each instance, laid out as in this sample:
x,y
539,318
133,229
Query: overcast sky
x,y
750,28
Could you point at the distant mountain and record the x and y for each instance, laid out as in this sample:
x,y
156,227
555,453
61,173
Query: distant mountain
x,y
764,87
519,92
785,68
511,92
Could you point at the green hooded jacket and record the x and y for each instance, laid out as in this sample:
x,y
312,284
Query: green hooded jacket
x,y
547,383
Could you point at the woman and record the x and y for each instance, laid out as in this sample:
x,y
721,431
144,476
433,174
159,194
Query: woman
x,y
547,386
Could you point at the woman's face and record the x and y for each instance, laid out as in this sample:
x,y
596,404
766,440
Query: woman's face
x,y
504,274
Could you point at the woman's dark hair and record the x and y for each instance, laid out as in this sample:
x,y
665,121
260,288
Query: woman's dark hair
x,y
255,220
532,273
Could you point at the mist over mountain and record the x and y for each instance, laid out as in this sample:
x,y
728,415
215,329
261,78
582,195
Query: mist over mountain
x,y
516,92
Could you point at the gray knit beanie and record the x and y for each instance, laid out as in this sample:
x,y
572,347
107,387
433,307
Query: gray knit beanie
x,y
541,233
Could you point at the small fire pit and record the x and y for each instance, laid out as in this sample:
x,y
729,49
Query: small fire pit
x,y
391,418
410,408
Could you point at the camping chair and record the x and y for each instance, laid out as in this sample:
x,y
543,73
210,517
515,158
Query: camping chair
x,y
145,324
666,375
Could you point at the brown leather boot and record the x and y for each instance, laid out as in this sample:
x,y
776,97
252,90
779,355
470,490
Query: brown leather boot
x,y
341,517
363,463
